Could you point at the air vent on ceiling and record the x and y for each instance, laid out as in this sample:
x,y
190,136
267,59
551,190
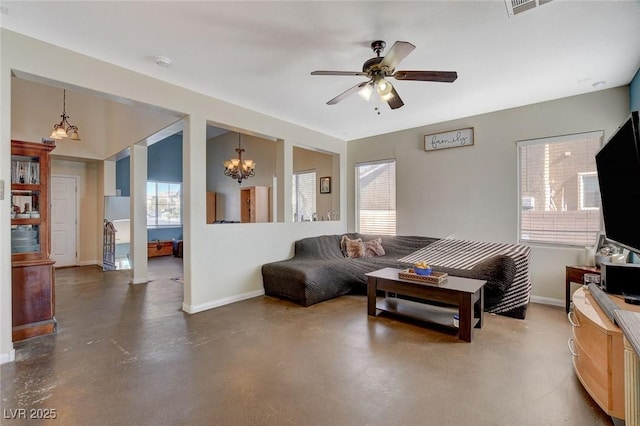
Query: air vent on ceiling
x,y
518,6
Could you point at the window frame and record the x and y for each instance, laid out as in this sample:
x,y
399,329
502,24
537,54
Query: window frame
x,y
171,225
597,134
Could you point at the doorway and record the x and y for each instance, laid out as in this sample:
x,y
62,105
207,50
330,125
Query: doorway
x,y
64,220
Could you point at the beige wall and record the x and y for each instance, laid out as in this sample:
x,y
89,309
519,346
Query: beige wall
x,y
221,148
471,192
37,107
306,159
105,127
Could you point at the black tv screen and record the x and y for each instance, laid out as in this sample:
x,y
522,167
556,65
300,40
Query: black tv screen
x,y
618,165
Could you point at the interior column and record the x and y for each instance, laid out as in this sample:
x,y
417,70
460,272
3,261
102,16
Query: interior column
x,y
138,171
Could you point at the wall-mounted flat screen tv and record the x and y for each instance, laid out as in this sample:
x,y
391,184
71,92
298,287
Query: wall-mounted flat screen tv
x,y
618,165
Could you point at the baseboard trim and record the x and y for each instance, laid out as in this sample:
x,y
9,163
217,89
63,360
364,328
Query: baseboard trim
x,y
8,356
89,263
194,309
547,301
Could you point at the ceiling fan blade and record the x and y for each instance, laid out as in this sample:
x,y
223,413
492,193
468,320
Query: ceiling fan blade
x,y
398,52
347,93
395,102
441,76
347,73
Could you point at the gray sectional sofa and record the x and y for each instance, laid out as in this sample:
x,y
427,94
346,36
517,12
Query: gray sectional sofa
x,y
319,270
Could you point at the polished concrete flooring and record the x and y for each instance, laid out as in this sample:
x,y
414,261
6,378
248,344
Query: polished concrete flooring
x,y
127,355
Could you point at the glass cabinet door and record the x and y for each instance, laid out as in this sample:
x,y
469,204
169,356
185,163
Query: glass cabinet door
x,y
25,204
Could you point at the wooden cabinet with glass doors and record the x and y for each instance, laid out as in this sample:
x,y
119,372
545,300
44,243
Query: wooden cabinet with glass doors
x,y
32,278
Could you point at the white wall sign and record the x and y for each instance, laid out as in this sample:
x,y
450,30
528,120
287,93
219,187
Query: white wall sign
x,y
452,139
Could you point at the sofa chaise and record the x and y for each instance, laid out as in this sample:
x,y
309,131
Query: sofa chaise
x,y
320,270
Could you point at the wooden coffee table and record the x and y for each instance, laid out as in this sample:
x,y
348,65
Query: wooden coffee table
x,y
465,293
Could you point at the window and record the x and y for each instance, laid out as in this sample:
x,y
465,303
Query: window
x,y
558,190
164,204
376,197
589,191
304,196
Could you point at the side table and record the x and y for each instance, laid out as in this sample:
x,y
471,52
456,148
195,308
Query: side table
x,y
575,274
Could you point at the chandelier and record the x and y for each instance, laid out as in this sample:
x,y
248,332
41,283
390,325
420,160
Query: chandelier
x,y
237,168
64,129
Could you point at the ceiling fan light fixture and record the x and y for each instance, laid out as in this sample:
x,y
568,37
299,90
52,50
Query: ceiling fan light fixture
x,y
380,67
366,92
384,87
386,97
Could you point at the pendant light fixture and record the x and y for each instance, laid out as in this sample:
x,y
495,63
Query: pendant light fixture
x,y
64,129
237,168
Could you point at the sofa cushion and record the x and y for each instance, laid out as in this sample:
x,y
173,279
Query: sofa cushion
x,y
355,248
374,248
320,247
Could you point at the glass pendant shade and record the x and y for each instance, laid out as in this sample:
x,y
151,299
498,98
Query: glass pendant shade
x,y
387,96
64,128
384,87
366,92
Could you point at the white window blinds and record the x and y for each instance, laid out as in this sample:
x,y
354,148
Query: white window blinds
x,y
376,197
304,196
558,190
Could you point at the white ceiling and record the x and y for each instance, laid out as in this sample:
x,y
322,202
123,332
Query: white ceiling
x,y
260,54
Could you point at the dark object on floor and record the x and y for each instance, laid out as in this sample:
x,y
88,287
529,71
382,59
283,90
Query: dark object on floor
x,y
319,271
177,248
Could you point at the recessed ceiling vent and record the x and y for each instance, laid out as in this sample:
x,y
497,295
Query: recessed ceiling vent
x,y
518,6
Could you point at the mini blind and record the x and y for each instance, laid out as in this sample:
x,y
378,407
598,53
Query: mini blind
x,y
376,197
304,196
558,193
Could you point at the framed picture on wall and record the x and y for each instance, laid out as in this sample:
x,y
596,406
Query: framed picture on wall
x,y
325,185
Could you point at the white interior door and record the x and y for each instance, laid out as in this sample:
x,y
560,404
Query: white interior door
x,y
64,220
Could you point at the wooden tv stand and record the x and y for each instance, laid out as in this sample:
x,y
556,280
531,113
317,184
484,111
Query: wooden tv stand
x,y
598,351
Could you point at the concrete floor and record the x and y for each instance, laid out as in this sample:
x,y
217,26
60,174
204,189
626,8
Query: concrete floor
x,y
127,354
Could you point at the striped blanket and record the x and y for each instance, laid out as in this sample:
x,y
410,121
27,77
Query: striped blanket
x,y
461,254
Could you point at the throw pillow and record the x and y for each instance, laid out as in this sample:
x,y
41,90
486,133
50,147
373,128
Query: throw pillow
x,y
374,248
343,244
355,248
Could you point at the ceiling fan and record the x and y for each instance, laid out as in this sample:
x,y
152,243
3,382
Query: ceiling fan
x,y
381,67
